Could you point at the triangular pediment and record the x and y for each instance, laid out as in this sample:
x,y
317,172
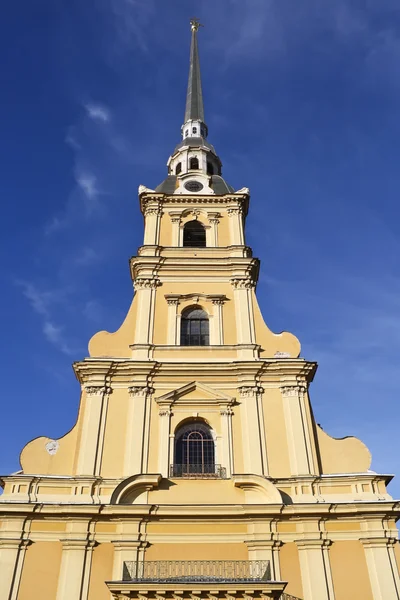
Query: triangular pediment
x,y
194,392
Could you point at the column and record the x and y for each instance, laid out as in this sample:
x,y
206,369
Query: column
x,y
136,425
152,213
252,430
146,291
236,225
227,441
74,574
213,219
315,569
217,324
164,440
127,555
176,221
12,554
173,304
382,567
244,310
267,550
93,428
300,443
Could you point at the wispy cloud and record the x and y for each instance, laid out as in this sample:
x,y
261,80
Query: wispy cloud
x,y
88,184
54,334
98,112
88,257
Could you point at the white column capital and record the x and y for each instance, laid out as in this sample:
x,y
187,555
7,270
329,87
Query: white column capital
x,y
97,390
135,391
243,283
250,391
144,283
293,390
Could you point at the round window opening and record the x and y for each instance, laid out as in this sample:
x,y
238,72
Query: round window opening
x,y
193,186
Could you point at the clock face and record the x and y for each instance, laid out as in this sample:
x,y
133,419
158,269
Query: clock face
x,y
193,186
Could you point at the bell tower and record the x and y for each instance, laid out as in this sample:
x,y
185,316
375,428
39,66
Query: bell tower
x,y
196,470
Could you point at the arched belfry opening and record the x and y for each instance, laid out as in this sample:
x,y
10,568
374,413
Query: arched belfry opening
x,y
195,330
194,163
194,235
194,450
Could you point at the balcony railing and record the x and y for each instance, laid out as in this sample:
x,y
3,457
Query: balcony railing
x,y
191,571
202,471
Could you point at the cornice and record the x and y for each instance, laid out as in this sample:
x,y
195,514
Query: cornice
x,y
124,372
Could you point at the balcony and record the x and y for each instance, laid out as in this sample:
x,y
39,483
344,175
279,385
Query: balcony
x,y
172,571
200,471
198,579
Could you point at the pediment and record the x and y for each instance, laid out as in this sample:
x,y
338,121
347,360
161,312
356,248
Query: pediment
x,y
195,392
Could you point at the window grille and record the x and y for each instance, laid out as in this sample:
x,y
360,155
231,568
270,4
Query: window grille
x,y
194,450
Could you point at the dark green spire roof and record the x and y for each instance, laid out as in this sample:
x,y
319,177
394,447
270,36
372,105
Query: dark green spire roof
x,y
194,100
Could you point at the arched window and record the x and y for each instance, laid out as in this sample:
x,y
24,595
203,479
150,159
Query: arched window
x,y
194,163
194,451
194,327
194,235
210,168
178,168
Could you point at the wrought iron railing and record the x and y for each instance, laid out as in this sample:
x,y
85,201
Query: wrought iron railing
x,y
202,471
169,571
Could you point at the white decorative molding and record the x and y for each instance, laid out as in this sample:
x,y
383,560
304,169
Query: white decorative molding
x,y
293,390
97,390
142,283
165,412
172,301
136,391
52,446
236,210
227,411
243,190
249,391
243,283
143,189
282,354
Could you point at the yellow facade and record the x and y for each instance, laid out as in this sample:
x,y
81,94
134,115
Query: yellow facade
x,y
108,495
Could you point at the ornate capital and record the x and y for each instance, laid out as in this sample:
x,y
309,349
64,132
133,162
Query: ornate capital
x,y
227,411
142,283
378,542
237,210
172,301
248,391
176,220
136,391
152,210
245,283
165,412
293,390
97,390
218,301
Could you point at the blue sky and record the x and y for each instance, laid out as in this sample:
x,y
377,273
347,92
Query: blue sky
x,y
302,102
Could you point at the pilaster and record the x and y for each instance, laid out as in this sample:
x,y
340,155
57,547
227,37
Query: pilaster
x,y
12,555
253,431
164,440
137,434
242,290
315,568
300,439
93,429
227,459
146,294
73,580
235,214
382,567
152,214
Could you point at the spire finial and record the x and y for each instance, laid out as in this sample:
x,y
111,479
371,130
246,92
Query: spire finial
x,y
195,24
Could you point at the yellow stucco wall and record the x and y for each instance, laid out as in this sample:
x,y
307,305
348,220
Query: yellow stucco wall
x,y
349,571
347,455
102,565
197,551
40,573
115,434
275,433
290,569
